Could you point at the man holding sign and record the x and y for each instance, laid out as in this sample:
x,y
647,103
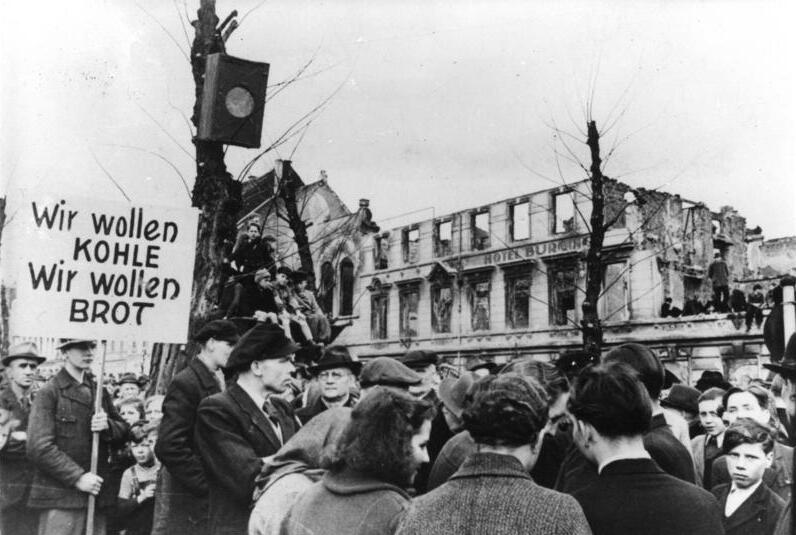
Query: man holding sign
x,y
60,429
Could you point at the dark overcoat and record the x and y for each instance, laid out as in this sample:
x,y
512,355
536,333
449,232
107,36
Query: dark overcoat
x,y
181,496
16,472
633,496
778,477
305,414
233,436
757,515
668,453
59,442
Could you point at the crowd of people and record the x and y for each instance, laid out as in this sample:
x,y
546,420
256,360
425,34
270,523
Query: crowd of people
x,y
247,441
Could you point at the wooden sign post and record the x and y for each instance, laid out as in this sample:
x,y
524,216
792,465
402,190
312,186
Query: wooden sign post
x,y
92,500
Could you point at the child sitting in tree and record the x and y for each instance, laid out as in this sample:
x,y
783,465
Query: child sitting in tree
x,y
137,490
307,305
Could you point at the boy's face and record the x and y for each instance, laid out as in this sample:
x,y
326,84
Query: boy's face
x,y
745,405
709,416
142,452
747,463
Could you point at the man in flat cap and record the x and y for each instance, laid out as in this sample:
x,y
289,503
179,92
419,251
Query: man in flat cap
x,y
424,363
129,386
16,472
182,492
60,429
336,373
386,372
238,428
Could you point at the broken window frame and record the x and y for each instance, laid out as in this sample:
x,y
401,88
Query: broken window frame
x,y
408,305
479,292
381,256
379,309
559,294
441,313
481,243
518,318
608,310
346,288
441,248
560,225
411,248
513,223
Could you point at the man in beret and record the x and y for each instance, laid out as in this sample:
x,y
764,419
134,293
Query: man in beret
x,y
182,492
62,422
386,372
336,374
424,363
16,472
236,429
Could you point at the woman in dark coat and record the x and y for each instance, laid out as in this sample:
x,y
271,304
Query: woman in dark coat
x,y
378,455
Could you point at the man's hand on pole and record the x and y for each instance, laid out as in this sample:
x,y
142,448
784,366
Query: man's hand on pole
x,y
99,422
90,483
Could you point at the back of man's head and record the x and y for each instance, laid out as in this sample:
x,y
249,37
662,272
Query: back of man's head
x,y
506,410
644,362
612,400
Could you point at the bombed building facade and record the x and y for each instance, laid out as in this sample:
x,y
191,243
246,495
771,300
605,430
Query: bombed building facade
x,y
505,280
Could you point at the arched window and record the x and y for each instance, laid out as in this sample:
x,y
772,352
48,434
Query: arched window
x,y
326,289
346,287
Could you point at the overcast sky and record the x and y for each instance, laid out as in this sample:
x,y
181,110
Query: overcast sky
x,y
440,104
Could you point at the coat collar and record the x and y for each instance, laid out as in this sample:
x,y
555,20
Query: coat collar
x,y
623,467
69,387
205,376
348,482
748,510
254,413
481,464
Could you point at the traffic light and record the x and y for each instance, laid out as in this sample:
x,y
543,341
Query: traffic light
x,y
233,100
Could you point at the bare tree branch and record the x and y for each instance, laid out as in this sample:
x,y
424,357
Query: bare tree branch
x,y
182,24
157,155
115,183
255,8
185,55
168,134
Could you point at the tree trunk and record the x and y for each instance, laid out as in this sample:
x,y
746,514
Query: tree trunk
x,y
218,197
288,191
592,329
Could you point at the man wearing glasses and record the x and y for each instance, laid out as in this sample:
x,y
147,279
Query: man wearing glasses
x,y
336,374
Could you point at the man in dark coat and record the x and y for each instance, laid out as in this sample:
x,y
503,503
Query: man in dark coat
x,y
336,373
181,495
238,428
16,472
750,507
60,430
631,494
664,448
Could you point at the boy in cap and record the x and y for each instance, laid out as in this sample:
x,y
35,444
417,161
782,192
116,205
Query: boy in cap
x,y
236,429
336,373
62,422
749,506
16,472
386,372
182,490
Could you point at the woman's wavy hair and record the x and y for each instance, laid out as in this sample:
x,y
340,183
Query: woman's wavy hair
x,y
377,442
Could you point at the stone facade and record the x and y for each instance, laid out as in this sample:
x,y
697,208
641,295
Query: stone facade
x,y
504,280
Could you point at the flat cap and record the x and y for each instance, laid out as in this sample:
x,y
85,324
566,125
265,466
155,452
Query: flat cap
x,y
221,330
682,397
386,371
261,342
66,343
420,358
128,378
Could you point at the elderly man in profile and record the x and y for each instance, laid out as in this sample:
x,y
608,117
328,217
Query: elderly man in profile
x,y
424,363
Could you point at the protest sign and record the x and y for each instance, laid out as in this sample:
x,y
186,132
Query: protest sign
x,y
103,270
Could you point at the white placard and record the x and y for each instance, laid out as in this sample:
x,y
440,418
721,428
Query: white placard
x,y
102,270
